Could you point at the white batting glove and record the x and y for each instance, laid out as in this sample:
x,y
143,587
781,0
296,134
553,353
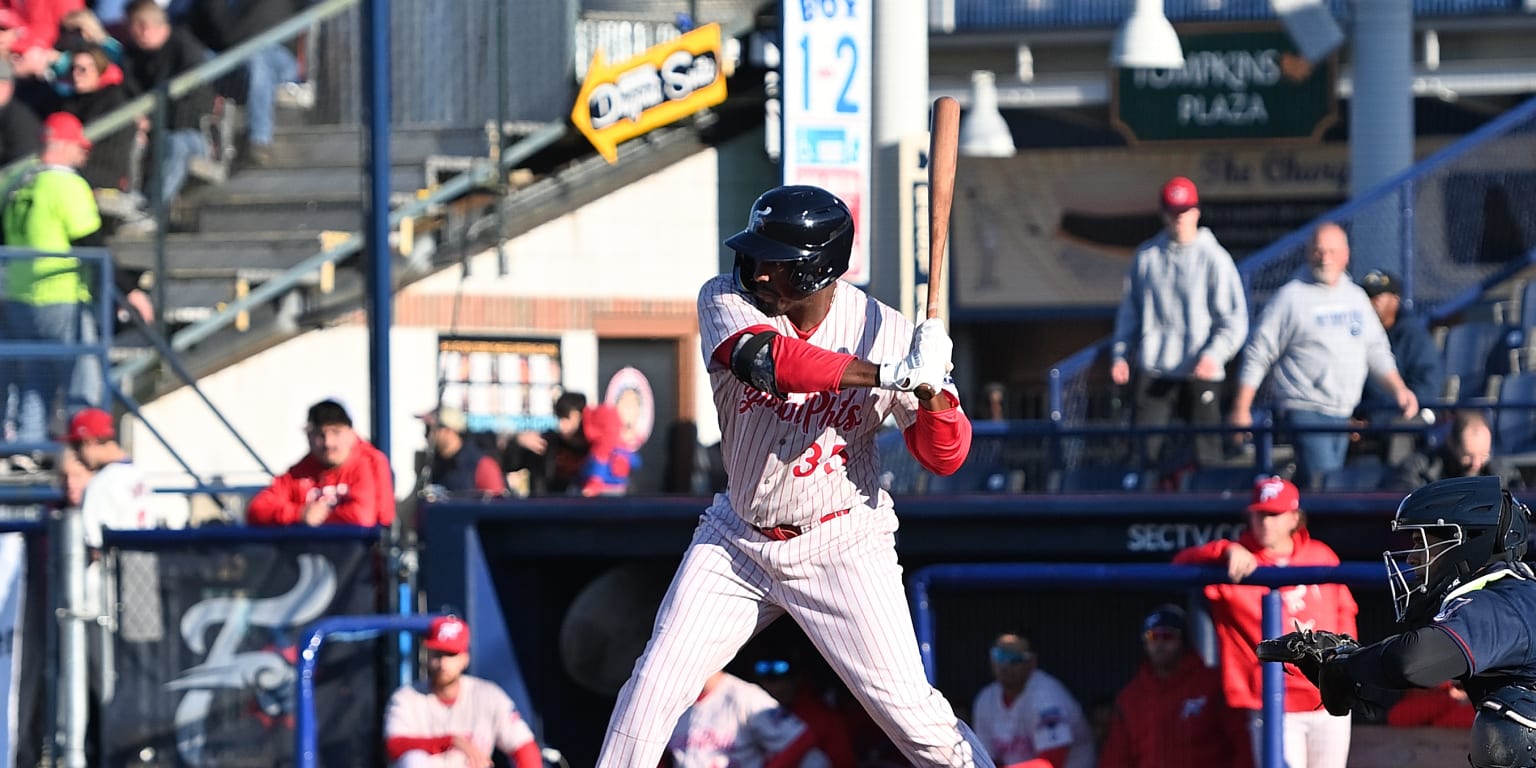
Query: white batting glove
x,y
927,360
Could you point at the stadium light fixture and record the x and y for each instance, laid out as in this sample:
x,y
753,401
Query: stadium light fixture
x,y
983,131
1146,40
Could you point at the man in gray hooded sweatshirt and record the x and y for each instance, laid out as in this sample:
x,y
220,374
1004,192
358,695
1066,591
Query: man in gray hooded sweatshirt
x,y
1184,317
1317,340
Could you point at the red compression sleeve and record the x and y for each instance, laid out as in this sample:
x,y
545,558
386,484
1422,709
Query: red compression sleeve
x,y
1051,758
940,440
432,745
799,366
528,756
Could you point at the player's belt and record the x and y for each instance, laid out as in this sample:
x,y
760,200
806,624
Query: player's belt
x,y
786,532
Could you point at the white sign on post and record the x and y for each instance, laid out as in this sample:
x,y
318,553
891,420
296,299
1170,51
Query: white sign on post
x,y
826,107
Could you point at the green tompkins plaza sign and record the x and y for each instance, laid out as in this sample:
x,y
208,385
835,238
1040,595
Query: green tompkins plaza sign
x,y
1250,84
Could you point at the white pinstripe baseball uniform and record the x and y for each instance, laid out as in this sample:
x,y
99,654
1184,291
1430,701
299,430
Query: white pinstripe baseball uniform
x,y
809,462
481,712
1042,718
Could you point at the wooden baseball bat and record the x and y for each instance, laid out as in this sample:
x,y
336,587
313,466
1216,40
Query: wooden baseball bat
x,y
943,153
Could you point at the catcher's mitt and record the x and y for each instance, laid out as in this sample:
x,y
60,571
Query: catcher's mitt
x,y
1307,649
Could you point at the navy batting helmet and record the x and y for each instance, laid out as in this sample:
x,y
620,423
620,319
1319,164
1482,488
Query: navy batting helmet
x,y
806,228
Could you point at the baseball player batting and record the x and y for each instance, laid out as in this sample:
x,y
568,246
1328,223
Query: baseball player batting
x,y
804,369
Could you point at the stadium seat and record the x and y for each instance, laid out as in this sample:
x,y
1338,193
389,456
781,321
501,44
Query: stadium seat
x,y
1101,479
1363,476
1474,350
1514,429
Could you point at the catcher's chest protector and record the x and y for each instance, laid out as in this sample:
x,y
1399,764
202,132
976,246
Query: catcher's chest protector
x,y
1504,733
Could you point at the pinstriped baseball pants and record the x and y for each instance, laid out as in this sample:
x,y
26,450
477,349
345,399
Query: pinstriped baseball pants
x,y
840,582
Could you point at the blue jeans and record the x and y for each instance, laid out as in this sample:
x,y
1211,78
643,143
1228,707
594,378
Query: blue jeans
x,y
1317,453
39,382
180,147
269,68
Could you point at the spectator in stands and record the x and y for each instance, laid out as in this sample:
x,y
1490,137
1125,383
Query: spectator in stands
x,y
1316,340
1277,536
81,31
1174,711
1182,318
20,130
1443,706
156,53
1467,452
1026,714
1418,360
11,26
48,298
98,90
553,459
734,722
32,61
223,25
458,466
42,17
826,732
451,718
337,483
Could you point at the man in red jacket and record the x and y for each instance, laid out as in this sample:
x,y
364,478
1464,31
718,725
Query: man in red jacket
x,y
338,483
1174,711
1277,536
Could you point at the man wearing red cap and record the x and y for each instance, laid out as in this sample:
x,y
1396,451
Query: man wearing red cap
x,y
454,720
1277,536
48,298
1182,318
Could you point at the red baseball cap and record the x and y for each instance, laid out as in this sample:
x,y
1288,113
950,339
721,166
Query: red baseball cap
x,y
448,634
1180,195
91,424
62,126
1275,495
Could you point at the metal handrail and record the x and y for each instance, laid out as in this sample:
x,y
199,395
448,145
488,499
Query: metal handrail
x,y
271,289
206,72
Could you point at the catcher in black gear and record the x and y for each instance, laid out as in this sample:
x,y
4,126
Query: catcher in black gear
x,y
1467,603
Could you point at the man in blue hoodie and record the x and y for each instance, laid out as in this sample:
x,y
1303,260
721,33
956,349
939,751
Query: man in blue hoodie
x,y
1418,360
1317,340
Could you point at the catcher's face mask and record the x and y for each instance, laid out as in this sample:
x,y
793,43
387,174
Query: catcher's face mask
x,y
1409,568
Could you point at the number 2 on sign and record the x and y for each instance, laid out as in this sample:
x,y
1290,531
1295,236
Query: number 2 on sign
x,y
846,48
813,458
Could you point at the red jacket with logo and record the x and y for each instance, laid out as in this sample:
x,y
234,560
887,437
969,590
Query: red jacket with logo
x,y
352,488
1237,612
1182,719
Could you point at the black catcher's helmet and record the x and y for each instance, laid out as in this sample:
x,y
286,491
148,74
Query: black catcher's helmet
x,y
807,228
1457,527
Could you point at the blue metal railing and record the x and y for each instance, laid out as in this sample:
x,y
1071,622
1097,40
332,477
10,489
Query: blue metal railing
x,y
306,741
1140,575
1000,15
1398,189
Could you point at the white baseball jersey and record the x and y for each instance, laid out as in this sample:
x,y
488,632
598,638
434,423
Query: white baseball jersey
x,y
737,724
796,462
482,712
1042,718
814,453
116,497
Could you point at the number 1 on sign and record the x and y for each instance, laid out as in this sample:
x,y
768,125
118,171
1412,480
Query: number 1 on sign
x,y
846,48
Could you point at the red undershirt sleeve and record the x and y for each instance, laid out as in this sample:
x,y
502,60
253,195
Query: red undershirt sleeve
x,y
798,366
1051,758
940,440
528,756
432,745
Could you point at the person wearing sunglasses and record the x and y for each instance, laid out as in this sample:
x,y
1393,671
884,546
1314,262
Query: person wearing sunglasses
x,y
1026,717
826,732
1173,712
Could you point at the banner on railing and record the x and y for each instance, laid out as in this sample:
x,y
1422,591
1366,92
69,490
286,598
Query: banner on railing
x,y
13,594
206,649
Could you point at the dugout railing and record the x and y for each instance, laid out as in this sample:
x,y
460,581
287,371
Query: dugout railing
x,y
1089,575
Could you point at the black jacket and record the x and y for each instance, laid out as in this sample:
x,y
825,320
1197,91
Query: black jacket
x,y
145,70
21,133
221,26
107,167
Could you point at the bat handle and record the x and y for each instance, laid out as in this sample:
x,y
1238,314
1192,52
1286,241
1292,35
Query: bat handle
x,y
924,392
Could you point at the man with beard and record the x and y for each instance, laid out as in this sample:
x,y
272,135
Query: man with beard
x,y
454,720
